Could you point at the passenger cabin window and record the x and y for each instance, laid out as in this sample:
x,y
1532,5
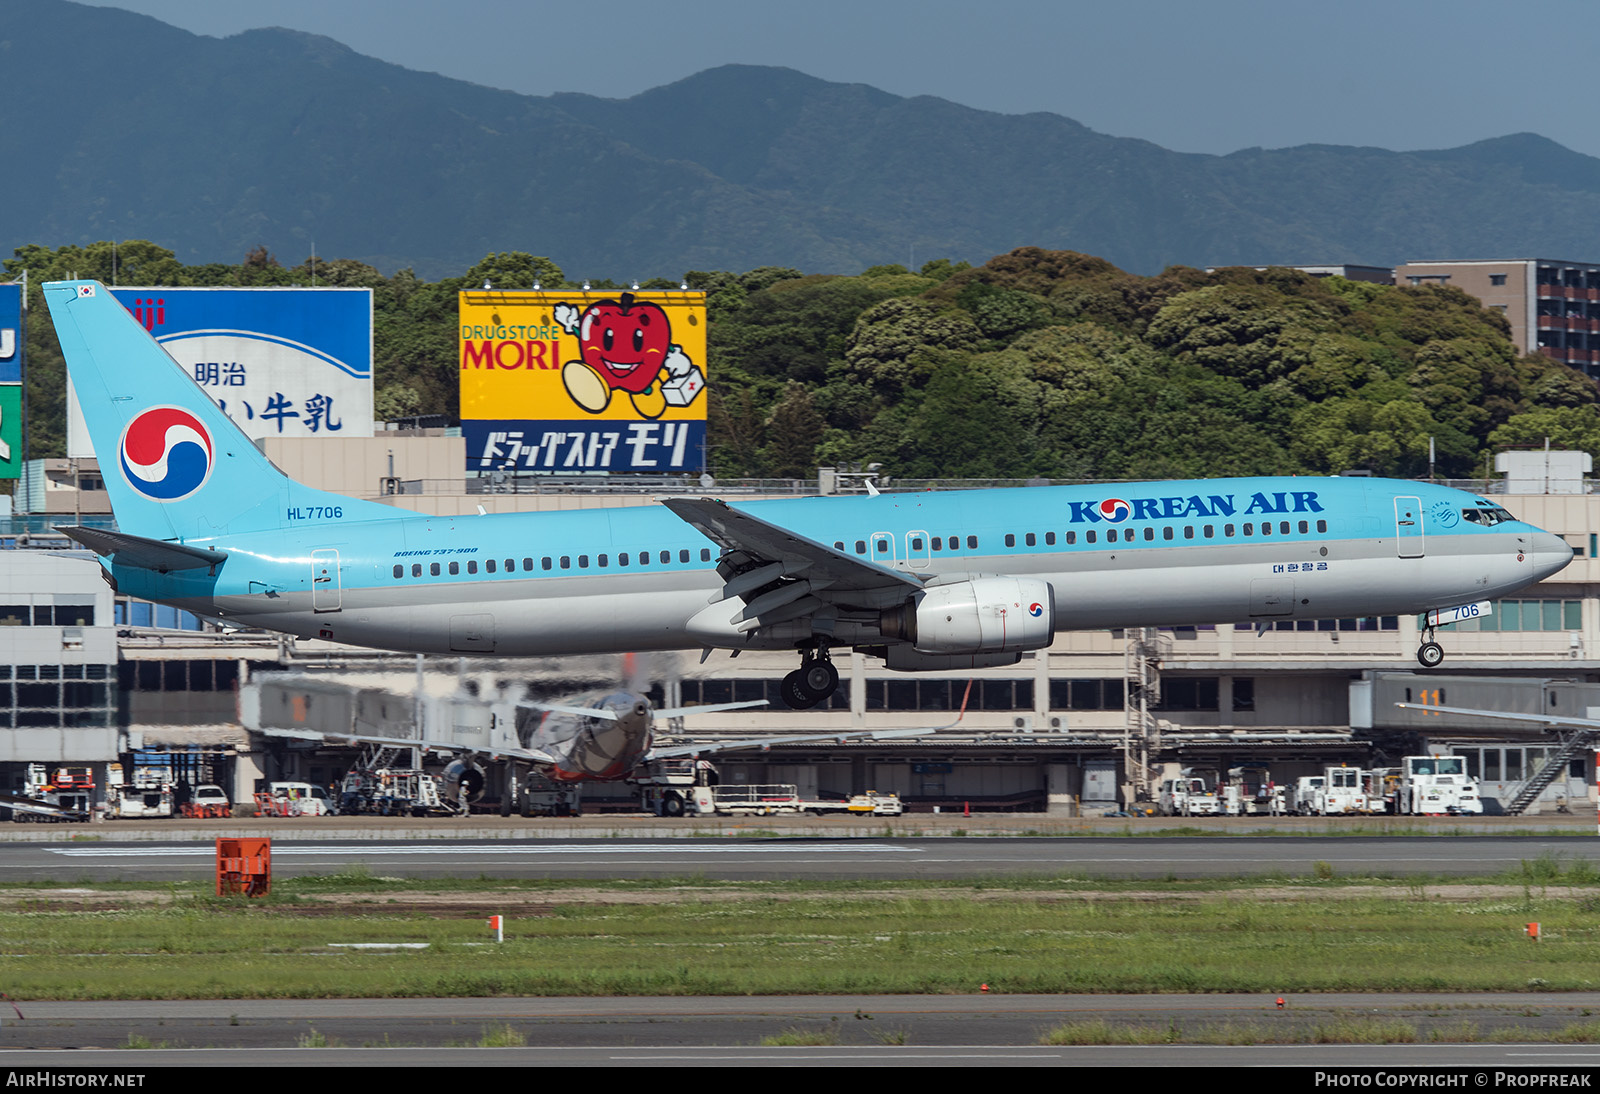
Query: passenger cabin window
x,y
666,557
527,564
1283,527
1088,537
938,543
1322,526
1011,540
489,566
416,569
1166,533
683,555
472,566
1149,533
1072,537
603,561
399,571
433,569
1030,539
861,546
455,568
583,562
1049,539
566,562
972,543
1304,527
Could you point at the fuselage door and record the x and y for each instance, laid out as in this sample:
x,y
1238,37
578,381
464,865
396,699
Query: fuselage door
x,y
881,548
1408,527
326,595
917,555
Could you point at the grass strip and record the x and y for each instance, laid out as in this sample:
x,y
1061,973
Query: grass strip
x,y
700,938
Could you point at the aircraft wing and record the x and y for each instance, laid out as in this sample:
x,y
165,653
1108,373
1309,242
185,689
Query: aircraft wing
x,y
532,755
32,805
680,752
734,530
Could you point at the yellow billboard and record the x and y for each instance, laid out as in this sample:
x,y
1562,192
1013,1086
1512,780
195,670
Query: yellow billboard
x,y
571,381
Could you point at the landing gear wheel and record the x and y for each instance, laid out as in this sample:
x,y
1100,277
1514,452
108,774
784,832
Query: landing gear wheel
x,y
672,805
819,678
1430,655
794,692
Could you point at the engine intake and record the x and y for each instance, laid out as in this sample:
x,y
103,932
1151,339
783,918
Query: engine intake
x,y
984,615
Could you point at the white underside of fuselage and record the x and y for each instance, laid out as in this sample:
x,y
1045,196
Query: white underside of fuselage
x,y
1130,587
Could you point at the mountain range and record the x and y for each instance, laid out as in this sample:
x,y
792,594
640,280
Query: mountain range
x,y
116,125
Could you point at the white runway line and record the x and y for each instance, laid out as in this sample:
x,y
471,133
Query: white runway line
x,y
586,850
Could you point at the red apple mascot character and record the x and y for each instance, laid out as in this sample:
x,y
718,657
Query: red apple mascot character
x,y
626,345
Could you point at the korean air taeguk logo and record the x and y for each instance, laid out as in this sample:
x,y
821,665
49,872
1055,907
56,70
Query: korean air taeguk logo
x,y
1115,510
166,453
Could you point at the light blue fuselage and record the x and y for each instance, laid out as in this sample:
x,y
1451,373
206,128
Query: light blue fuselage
x,y
630,578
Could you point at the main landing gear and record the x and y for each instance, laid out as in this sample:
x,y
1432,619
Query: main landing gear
x,y
1430,654
814,681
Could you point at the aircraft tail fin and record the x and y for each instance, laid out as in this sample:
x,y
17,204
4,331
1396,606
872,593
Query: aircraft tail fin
x,y
176,467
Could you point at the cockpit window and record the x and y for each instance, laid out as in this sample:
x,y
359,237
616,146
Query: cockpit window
x,y
1487,515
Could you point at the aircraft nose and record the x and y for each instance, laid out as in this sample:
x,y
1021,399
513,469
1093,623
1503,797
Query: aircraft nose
x,y
1550,554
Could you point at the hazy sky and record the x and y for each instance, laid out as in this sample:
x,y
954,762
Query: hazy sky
x,y
1192,75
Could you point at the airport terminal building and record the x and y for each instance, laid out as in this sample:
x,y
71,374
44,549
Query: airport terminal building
x,y
1089,725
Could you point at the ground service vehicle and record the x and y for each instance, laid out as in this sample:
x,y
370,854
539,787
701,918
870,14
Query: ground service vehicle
x,y
149,793
1343,791
67,794
1306,795
1188,796
1436,786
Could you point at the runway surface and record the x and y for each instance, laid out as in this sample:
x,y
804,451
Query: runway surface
x,y
904,1031
815,859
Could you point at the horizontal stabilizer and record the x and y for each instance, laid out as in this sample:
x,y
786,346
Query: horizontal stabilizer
x,y
147,554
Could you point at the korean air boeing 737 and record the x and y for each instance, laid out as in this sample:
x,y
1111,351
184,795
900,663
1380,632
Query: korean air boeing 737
x,y
952,580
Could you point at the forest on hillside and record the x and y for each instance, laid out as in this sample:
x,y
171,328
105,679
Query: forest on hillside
x,y
1039,363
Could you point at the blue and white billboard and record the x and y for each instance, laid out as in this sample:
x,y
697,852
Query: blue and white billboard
x,y
280,362
11,333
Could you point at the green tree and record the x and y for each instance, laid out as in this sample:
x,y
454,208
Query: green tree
x,y
793,430
1566,427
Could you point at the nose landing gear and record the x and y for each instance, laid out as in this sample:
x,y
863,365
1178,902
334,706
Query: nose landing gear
x,y
814,681
1430,654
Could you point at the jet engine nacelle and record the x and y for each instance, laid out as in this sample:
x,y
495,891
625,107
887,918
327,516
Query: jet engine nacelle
x,y
982,615
463,781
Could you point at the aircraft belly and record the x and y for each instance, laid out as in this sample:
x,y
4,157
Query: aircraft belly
x,y
1230,583
538,617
